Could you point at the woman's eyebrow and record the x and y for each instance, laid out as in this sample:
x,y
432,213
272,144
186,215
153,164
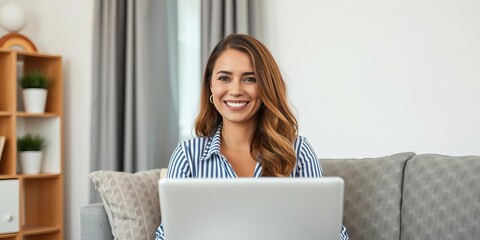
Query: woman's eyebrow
x,y
230,73
225,72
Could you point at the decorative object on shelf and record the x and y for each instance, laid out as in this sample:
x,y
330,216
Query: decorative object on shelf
x,y
17,42
13,19
2,144
30,148
34,85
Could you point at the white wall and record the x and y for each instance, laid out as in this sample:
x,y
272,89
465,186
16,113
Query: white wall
x,y
64,27
374,77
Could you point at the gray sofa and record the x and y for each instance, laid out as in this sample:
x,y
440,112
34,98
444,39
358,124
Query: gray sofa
x,y
403,196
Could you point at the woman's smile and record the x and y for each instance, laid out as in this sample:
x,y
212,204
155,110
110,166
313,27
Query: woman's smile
x,y
236,105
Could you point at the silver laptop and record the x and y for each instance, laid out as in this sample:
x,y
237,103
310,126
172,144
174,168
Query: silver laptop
x,y
252,209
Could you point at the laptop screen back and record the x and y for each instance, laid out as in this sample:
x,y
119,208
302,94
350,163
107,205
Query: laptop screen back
x,y
252,208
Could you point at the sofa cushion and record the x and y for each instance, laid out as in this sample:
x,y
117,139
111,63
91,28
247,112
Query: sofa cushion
x,y
373,190
441,198
131,202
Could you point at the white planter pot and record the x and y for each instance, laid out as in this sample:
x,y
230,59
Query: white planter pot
x,y
34,100
31,161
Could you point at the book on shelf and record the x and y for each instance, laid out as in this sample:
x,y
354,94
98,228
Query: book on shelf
x,y
2,143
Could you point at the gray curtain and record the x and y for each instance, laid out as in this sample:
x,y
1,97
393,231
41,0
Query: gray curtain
x,y
135,105
221,18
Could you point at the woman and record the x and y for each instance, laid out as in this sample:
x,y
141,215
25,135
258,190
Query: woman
x,y
245,127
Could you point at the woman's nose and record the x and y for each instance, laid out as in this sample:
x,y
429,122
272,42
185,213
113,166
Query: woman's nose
x,y
236,88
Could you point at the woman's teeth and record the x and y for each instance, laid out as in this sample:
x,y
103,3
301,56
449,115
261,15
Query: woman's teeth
x,y
236,104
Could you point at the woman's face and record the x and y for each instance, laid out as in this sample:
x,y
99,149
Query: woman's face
x,y
234,88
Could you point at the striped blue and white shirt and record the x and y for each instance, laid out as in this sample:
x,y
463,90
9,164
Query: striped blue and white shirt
x,y
201,158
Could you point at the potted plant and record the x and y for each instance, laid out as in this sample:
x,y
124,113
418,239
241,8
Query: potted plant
x,y
34,86
30,148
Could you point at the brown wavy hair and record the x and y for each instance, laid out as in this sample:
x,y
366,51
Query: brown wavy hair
x,y
277,128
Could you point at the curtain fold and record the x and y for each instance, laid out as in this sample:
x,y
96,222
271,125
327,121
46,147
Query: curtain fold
x,y
223,17
135,91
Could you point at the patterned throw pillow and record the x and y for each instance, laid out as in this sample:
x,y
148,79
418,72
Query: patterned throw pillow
x,y
131,202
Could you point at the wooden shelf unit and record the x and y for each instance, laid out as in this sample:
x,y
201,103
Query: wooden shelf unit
x,y
40,195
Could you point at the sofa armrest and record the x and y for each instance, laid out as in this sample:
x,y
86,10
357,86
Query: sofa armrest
x,y
94,223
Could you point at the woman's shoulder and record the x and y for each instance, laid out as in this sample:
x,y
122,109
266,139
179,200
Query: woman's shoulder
x,y
300,141
194,140
194,143
300,138
301,144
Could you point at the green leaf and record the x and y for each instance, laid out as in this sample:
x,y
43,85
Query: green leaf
x,y
34,79
30,142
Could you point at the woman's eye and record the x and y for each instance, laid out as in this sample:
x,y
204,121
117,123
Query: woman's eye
x,y
223,78
250,79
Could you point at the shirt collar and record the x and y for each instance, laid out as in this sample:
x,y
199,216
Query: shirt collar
x,y
214,146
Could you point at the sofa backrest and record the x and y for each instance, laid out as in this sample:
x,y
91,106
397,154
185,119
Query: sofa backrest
x,y
441,198
373,190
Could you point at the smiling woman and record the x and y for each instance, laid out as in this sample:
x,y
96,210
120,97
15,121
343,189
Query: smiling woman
x,y
270,130
245,127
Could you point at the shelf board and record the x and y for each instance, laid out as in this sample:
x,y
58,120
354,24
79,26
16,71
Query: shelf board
x,y
37,55
8,235
5,51
45,115
5,114
39,176
37,230
8,176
